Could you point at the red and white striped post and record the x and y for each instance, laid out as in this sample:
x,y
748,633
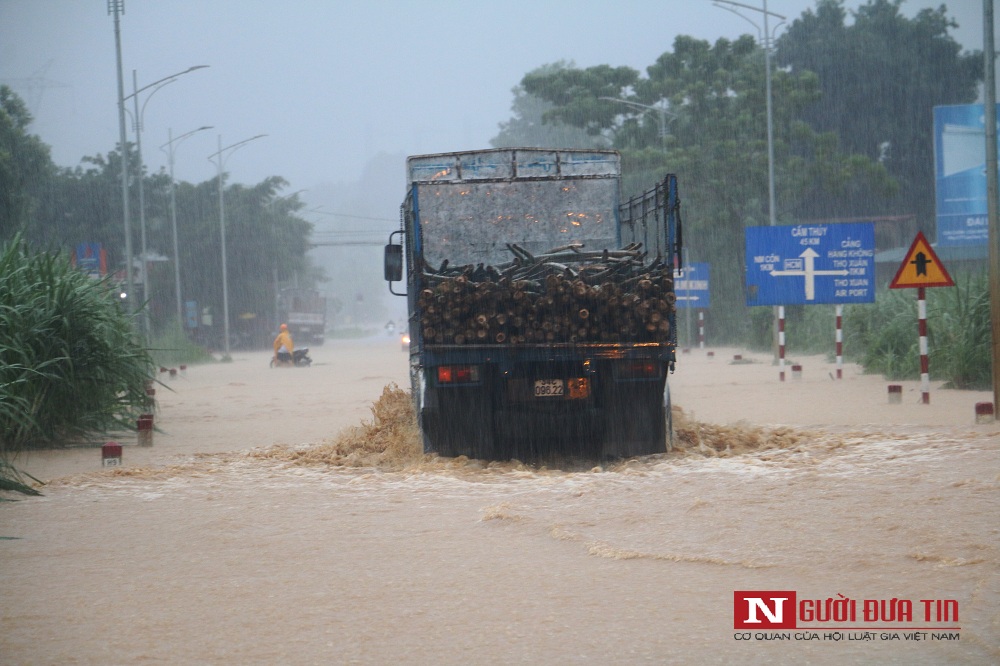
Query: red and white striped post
x,y
701,329
111,455
144,429
925,375
781,342
840,341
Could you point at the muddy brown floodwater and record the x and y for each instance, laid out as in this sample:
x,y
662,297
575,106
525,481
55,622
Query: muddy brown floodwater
x,y
283,516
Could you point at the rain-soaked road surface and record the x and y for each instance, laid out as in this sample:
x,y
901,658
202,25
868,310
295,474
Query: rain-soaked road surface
x,y
200,551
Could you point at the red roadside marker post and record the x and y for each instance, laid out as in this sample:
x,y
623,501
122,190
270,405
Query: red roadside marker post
x,y
920,269
111,455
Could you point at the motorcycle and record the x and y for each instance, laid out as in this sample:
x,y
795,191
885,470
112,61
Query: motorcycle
x,y
300,358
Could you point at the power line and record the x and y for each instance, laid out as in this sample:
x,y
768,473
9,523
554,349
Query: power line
x,y
357,217
365,243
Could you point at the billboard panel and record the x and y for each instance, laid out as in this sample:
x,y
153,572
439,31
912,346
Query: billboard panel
x,y
960,174
91,259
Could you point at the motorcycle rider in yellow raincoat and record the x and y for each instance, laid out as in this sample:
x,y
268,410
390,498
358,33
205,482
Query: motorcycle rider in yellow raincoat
x,y
283,347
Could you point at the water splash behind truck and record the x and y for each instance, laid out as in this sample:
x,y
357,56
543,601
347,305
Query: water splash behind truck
x,y
541,307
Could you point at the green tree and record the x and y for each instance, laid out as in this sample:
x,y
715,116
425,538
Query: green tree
x,y
58,208
717,145
879,79
84,204
265,237
528,127
25,164
265,241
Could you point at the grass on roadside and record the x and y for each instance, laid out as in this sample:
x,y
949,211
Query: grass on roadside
x,y
71,365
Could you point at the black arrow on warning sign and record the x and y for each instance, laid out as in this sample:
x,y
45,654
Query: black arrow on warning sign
x,y
921,261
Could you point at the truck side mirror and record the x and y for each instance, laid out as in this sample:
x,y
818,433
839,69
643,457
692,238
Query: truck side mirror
x,y
393,263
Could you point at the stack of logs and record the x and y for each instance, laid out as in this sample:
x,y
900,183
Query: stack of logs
x,y
565,295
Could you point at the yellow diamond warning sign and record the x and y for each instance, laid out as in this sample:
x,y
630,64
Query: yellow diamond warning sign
x,y
921,268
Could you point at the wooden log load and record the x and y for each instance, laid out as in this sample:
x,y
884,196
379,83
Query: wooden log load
x,y
566,295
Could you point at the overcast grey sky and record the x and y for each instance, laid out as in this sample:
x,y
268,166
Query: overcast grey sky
x,y
331,82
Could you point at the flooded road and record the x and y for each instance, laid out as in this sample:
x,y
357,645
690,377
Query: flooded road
x,y
266,525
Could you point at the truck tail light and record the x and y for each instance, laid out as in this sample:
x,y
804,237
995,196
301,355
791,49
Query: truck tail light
x,y
457,374
639,369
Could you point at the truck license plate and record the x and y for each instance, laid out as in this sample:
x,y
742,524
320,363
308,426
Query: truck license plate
x,y
549,388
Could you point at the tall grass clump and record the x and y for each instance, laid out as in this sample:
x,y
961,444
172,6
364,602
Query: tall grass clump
x,y
883,337
759,330
71,366
958,329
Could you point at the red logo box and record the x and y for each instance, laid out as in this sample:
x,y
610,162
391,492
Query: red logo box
x,y
764,610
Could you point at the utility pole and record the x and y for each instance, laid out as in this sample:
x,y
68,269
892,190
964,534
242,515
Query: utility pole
x,y
990,117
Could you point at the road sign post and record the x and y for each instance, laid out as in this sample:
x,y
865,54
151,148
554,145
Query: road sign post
x,y
920,269
781,343
691,289
839,340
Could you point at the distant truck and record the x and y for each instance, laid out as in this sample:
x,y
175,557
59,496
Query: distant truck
x,y
304,310
541,308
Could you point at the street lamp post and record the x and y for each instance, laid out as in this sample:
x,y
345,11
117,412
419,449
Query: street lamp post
x,y
219,158
662,114
169,146
767,38
137,119
770,119
274,253
117,7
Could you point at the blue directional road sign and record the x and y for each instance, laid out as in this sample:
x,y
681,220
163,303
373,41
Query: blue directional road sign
x,y
191,314
811,264
691,286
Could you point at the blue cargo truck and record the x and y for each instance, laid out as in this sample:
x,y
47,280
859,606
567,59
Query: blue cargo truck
x,y
541,306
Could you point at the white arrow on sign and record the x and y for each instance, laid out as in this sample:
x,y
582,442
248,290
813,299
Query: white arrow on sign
x,y
809,272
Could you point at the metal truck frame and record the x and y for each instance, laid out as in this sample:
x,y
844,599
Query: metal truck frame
x,y
500,401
